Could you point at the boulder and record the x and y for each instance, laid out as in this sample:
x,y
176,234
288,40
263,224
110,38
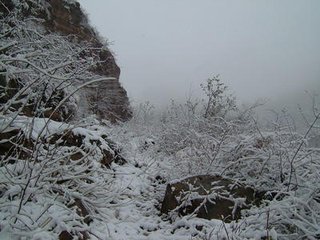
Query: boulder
x,y
209,197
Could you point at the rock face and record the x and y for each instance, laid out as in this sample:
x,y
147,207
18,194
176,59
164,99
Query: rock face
x,y
107,99
209,197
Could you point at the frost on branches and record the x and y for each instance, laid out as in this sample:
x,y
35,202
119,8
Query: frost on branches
x,y
275,159
54,176
62,177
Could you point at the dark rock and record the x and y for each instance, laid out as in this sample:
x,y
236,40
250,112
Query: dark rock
x,y
118,159
6,136
209,197
13,86
9,89
82,211
14,141
65,235
107,158
4,11
69,139
76,156
3,84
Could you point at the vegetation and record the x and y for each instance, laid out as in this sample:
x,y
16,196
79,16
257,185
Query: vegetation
x,y
66,177
277,160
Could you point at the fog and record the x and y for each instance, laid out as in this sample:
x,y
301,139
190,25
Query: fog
x,y
265,49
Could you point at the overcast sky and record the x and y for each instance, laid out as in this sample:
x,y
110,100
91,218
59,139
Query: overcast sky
x,y
166,48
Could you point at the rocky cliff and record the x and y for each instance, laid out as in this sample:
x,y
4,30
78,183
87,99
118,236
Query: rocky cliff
x,y
54,72
112,102
106,99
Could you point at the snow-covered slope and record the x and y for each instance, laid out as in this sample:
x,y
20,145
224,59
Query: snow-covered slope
x,y
65,175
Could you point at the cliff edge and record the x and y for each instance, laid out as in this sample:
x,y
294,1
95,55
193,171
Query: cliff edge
x,y
107,99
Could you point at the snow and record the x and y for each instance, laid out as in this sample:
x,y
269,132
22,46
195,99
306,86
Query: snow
x,y
124,201
127,197
35,127
39,192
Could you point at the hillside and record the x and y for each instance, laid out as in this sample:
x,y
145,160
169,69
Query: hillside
x,y
65,20
76,163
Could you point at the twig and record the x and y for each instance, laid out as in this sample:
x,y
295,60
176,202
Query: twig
x,y
298,149
225,229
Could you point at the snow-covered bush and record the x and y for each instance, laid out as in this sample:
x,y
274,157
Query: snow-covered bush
x,y
219,102
275,159
54,176
38,70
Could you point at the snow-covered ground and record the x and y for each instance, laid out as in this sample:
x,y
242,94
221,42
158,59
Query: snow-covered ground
x,y
293,217
56,177
124,201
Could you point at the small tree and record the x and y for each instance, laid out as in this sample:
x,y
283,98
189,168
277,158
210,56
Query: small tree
x,y
219,102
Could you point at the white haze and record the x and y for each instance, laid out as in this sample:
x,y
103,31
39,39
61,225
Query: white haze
x,y
265,49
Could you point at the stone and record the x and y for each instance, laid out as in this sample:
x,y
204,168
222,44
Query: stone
x,y
9,89
76,156
209,197
69,139
107,158
82,210
65,235
13,140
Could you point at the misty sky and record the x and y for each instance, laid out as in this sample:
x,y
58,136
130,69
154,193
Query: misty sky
x,y
166,48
